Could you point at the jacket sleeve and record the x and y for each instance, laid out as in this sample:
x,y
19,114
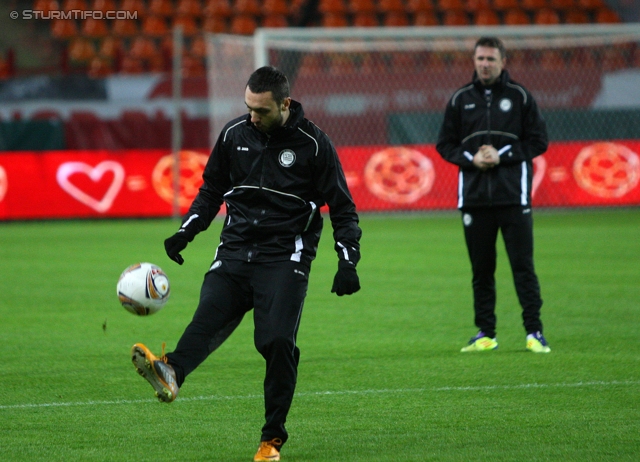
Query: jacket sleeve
x,y
331,183
534,140
449,144
206,204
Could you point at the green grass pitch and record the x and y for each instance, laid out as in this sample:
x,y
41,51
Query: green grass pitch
x,y
381,377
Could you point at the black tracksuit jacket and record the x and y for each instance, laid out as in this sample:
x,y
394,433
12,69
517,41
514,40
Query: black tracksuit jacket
x,y
273,187
506,117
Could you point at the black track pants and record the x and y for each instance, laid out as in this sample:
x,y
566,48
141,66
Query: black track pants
x,y
276,292
481,226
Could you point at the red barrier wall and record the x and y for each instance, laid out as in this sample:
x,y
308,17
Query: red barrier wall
x,y
138,183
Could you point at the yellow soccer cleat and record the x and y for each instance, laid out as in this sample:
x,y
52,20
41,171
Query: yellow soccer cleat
x,y
481,342
537,343
268,450
156,371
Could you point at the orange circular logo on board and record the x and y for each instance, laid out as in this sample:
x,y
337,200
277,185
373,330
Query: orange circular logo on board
x,y
191,167
607,170
399,174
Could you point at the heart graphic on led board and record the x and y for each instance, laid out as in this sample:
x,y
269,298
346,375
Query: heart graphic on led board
x,y
66,170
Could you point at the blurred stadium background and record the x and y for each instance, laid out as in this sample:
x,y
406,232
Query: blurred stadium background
x,y
99,98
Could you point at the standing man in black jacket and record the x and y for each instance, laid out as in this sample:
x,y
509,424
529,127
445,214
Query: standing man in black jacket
x,y
274,169
492,130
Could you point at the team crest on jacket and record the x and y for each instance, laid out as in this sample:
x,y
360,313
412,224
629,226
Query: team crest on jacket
x,y
287,158
505,105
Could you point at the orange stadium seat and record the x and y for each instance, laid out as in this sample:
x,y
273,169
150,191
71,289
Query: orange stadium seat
x,y
69,5
198,47
81,50
340,64
362,6
192,66
365,19
386,6
476,5
161,8
275,20
552,60
334,20
243,24
189,8
414,6
110,47
103,5
450,5
533,5
425,18
312,64
214,24
124,27
455,18
516,17
96,28
486,18
270,7
606,16
131,65
188,24
63,28
220,8
100,67
590,5
46,6
332,6
137,7
563,5
154,25
247,7
576,17
546,16
143,48
503,5
395,19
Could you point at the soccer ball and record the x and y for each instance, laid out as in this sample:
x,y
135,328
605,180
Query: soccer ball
x,y
143,289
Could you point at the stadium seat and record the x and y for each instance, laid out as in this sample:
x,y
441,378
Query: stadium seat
x,y
606,16
214,24
365,19
110,47
312,64
103,6
218,8
143,48
154,25
486,18
100,67
450,5
576,17
332,6
552,60
131,65
516,17
192,66
455,18
415,6
198,47
188,24
63,28
247,7
243,24
96,28
472,6
69,5
161,8
124,27
362,6
582,59
270,7
425,18
274,20
81,50
533,5
341,64
563,5
189,8
158,63
134,6
546,16
613,59
387,6
590,5
46,6
395,19
503,5
334,20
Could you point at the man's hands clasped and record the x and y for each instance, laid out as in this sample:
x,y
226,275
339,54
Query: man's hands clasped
x,y
487,157
346,280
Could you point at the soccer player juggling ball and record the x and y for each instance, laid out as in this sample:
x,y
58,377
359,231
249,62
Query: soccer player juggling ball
x,y
274,170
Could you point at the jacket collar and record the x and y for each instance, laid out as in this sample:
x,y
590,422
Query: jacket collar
x,y
498,84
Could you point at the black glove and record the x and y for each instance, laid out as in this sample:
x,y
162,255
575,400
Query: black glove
x,y
346,281
176,244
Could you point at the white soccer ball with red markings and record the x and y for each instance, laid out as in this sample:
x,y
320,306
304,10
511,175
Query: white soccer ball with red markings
x,y
143,289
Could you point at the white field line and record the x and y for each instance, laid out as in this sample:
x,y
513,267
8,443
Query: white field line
x,y
596,383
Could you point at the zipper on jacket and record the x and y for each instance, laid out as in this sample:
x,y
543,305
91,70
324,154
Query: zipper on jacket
x,y
488,96
264,155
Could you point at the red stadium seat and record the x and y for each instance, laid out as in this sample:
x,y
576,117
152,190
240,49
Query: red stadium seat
x,y
486,18
516,17
455,18
415,6
335,20
546,16
218,8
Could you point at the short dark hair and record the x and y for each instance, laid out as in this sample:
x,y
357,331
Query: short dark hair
x,y
268,78
491,42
